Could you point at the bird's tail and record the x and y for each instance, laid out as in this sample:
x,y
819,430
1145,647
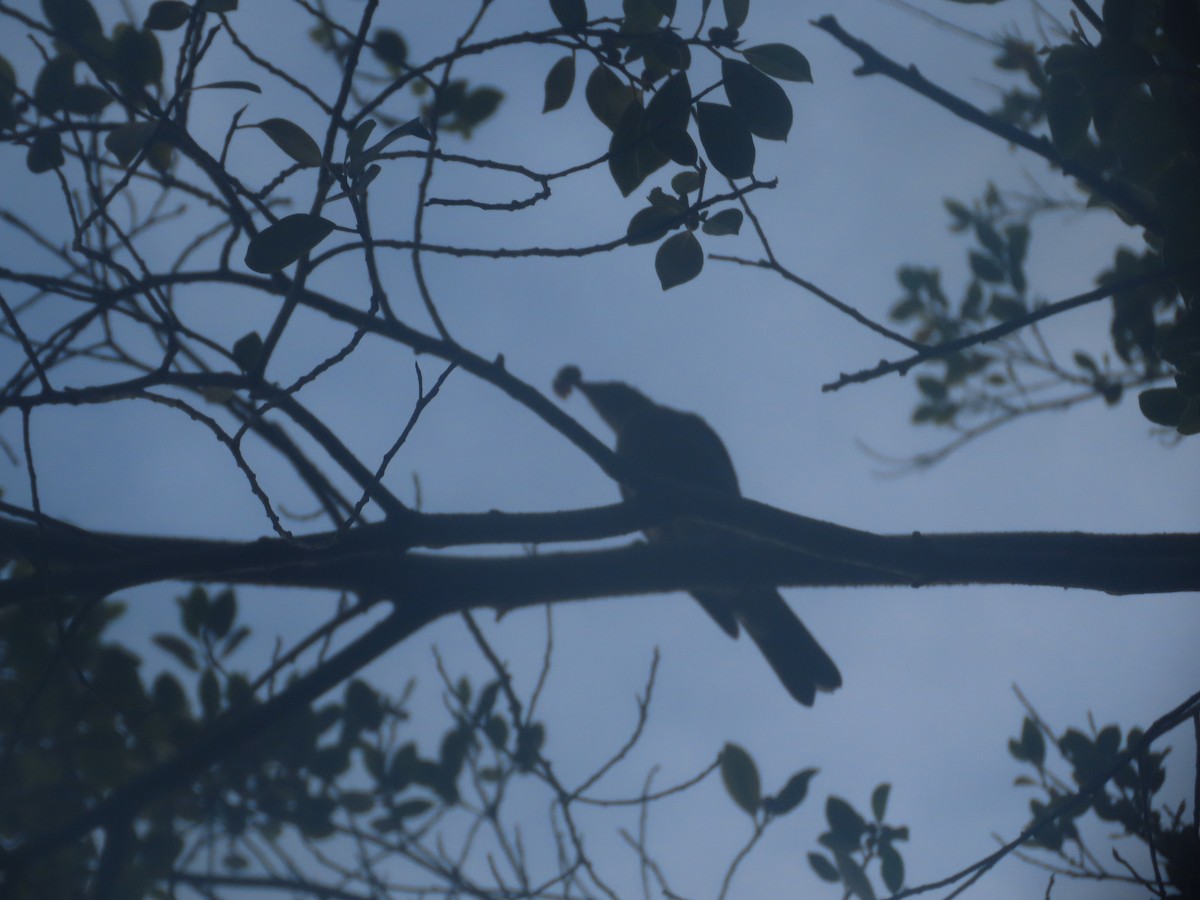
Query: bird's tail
x,y
798,660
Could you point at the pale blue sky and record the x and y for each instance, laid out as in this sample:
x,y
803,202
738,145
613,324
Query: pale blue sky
x,y
927,702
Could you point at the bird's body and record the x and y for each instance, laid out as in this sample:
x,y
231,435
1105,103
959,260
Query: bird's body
x,y
683,447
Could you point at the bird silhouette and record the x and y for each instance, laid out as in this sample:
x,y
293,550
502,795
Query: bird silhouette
x,y
683,447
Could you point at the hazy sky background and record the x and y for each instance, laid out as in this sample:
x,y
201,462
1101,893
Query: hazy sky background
x,y
927,703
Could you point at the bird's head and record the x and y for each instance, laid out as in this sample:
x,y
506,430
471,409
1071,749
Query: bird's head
x,y
615,401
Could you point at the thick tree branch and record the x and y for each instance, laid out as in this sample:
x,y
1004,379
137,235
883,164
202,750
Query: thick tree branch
x,y
373,561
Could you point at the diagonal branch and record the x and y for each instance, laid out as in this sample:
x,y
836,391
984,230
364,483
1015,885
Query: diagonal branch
x,y
997,331
874,62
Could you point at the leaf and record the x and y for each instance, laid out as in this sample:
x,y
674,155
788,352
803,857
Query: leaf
x,y
410,808
1068,113
989,237
126,141
1033,745
178,648
931,387
571,14
854,877
685,183
1189,421
623,162
679,259
1005,308
845,824
892,866
736,12
192,609
45,152
362,705
761,102
607,96
727,221
487,699
217,6
879,801
779,61
74,20
986,268
665,121
137,58
358,139
560,81
284,242
389,46
650,224
8,88
738,770
412,127
1163,406
357,801
223,609
292,140
167,15
825,870
88,100
55,83
247,351
791,796
726,140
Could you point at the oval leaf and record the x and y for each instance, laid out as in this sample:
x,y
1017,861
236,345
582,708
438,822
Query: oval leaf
x,y
292,140
825,870
666,120
571,14
846,825
607,96
560,81
779,61
167,15
854,878
650,224
679,259
247,351
45,152
727,221
623,150
892,868
1163,406
390,48
125,142
726,140
737,768
792,795
761,102
283,243
685,183
879,801
178,648
736,12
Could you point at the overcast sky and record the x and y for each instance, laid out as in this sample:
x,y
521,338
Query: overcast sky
x,y
927,703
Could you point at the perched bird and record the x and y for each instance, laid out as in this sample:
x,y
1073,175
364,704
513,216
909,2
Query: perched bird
x,y
683,447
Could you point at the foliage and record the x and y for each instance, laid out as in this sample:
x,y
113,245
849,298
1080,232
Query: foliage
x,y
1115,100
1127,800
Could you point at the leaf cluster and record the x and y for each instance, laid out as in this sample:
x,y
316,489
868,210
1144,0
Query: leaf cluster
x,y
1127,799
657,118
